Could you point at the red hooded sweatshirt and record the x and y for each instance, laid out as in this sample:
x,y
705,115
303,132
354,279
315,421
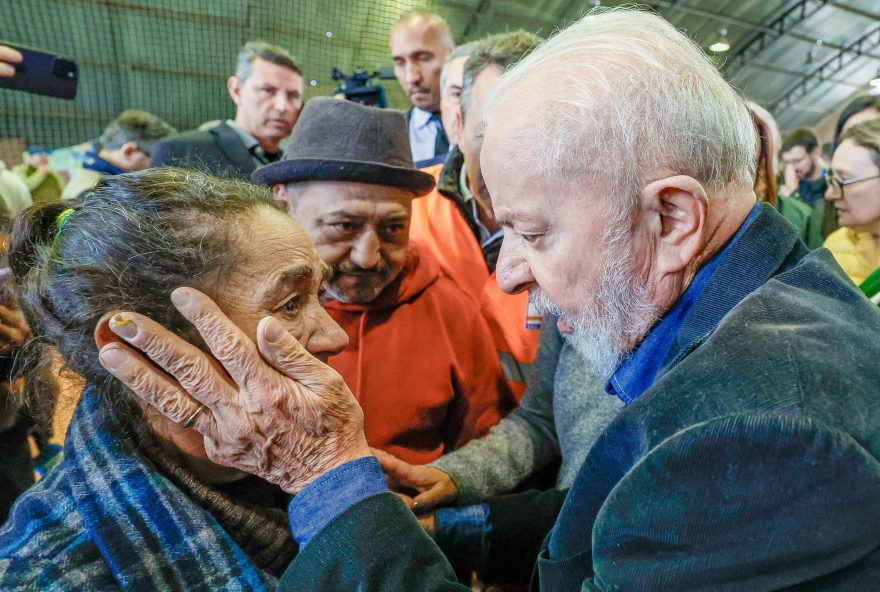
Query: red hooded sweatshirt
x,y
421,362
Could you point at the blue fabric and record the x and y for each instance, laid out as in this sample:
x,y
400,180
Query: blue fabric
x,y
810,192
93,162
105,518
333,493
463,529
637,373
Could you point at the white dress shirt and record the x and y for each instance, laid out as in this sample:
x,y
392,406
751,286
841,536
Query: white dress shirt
x,y
422,134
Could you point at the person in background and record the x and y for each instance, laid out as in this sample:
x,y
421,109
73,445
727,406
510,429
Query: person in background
x,y
13,192
22,379
44,184
451,79
267,90
420,358
854,191
766,179
861,109
803,174
420,42
804,170
125,146
135,503
458,224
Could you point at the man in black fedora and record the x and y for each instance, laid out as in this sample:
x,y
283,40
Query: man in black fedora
x,y
420,357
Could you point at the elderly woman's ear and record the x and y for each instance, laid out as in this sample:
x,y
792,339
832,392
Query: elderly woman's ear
x,y
103,334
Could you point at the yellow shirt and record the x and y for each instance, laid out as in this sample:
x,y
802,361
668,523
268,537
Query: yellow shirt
x,y
858,253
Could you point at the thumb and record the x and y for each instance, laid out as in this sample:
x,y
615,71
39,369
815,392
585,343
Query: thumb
x,y
438,495
290,357
403,473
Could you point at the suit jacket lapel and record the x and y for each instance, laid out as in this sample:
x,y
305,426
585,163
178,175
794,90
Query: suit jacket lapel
x,y
231,145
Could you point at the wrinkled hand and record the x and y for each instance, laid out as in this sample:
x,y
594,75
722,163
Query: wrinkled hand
x,y
435,487
285,416
14,331
8,58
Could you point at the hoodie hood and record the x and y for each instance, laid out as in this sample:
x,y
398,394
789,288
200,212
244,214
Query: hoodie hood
x,y
417,275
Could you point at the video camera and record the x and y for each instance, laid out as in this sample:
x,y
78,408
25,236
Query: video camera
x,y
357,87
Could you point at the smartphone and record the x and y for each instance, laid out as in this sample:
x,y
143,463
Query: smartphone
x,y
43,73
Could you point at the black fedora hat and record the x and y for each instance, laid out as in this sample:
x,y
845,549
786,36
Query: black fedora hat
x,y
336,140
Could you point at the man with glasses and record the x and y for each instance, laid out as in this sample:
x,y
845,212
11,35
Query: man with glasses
x,y
804,168
804,177
125,146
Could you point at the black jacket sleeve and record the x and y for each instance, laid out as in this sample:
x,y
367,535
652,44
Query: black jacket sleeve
x,y
375,546
518,525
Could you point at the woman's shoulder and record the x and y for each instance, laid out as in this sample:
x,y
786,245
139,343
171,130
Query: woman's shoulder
x,y
846,239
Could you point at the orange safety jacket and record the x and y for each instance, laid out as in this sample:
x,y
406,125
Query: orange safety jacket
x,y
515,325
439,227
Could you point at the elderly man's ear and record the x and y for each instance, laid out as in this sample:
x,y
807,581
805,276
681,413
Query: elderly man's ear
x,y
279,190
675,211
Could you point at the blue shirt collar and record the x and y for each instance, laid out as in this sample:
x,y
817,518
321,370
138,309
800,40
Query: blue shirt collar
x,y
638,372
93,162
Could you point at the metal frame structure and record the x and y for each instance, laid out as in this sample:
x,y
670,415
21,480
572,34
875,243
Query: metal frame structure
x,y
766,36
836,63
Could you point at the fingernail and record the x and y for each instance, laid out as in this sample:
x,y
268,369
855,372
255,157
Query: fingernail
x,y
123,326
112,358
180,299
274,331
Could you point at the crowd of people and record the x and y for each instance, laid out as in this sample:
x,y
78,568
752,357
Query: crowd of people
x,y
582,318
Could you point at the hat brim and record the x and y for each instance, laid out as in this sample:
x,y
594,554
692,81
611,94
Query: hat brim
x,y
317,169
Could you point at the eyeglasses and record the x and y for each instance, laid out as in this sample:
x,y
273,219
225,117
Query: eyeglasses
x,y
836,185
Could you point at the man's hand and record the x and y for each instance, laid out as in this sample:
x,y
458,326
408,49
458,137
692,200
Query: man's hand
x,y
789,181
14,331
288,421
8,58
435,487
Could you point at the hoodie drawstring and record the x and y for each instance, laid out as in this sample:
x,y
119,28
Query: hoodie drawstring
x,y
360,374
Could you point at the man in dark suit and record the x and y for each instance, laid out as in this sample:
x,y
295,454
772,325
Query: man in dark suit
x,y
621,167
420,42
267,90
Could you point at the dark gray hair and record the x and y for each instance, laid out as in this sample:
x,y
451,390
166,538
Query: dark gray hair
x,y
462,50
140,127
501,50
265,51
126,245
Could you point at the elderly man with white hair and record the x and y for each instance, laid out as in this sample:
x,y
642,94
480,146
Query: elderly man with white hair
x,y
620,165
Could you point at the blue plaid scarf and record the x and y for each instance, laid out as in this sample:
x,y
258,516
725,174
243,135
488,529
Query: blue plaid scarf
x,y
105,518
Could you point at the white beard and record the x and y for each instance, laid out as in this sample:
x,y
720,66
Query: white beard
x,y
618,309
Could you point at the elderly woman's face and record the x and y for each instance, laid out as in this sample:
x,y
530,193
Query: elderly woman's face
x,y
859,206
280,274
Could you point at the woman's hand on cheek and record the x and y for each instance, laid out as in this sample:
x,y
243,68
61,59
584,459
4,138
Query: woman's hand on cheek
x,y
288,422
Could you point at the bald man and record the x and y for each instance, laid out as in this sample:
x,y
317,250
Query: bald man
x,y
420,42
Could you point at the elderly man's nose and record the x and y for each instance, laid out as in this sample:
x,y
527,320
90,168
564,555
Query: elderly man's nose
x,y
366,251
512,272
326,336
